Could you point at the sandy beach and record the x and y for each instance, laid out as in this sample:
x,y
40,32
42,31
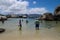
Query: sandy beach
x,y
13,33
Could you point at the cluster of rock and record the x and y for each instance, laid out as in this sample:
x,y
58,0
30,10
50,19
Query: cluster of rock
x,y
47,16
50,16
2,30
57,13
3,18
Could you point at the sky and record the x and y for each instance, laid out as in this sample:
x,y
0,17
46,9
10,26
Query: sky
x,y
28,6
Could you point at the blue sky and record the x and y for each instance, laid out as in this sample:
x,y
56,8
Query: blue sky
x,y
28,6
49,4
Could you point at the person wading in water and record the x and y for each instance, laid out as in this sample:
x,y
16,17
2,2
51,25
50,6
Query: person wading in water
x,y
26,21
37,24
2,20
20,25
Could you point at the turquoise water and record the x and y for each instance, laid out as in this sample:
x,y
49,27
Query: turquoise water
x,y
12,24
49,30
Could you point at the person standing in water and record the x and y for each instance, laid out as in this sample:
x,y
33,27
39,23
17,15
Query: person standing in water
x,y
56,22
20,25
26,21
37,24
22,20
2,20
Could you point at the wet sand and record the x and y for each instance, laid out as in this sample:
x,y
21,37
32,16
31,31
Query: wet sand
x,y
43,34
29,34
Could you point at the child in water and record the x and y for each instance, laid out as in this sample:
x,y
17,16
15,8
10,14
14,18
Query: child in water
x,y
26,21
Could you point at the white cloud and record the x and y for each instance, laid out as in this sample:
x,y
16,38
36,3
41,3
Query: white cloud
x,y
14,6
7,2
38,10
19,7
34,2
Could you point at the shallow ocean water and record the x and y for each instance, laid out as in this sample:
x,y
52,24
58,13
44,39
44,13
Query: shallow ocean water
x,y
48,30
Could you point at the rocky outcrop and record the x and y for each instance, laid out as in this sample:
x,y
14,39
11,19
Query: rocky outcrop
x,y
2,30
57,13
3,18
47,16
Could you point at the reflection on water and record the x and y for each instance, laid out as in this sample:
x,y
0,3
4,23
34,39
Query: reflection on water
x,y
49,30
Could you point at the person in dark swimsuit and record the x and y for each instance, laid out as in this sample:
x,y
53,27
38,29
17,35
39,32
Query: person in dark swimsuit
x,y
37,25
20,25
26,21
2,20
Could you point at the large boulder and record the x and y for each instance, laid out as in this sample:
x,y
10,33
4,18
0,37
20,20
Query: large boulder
x,y
2,30
47,16
57,13
3,18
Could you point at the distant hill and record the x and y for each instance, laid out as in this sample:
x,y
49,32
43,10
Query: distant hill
x,y
34,15
1,15
27,15
30,15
